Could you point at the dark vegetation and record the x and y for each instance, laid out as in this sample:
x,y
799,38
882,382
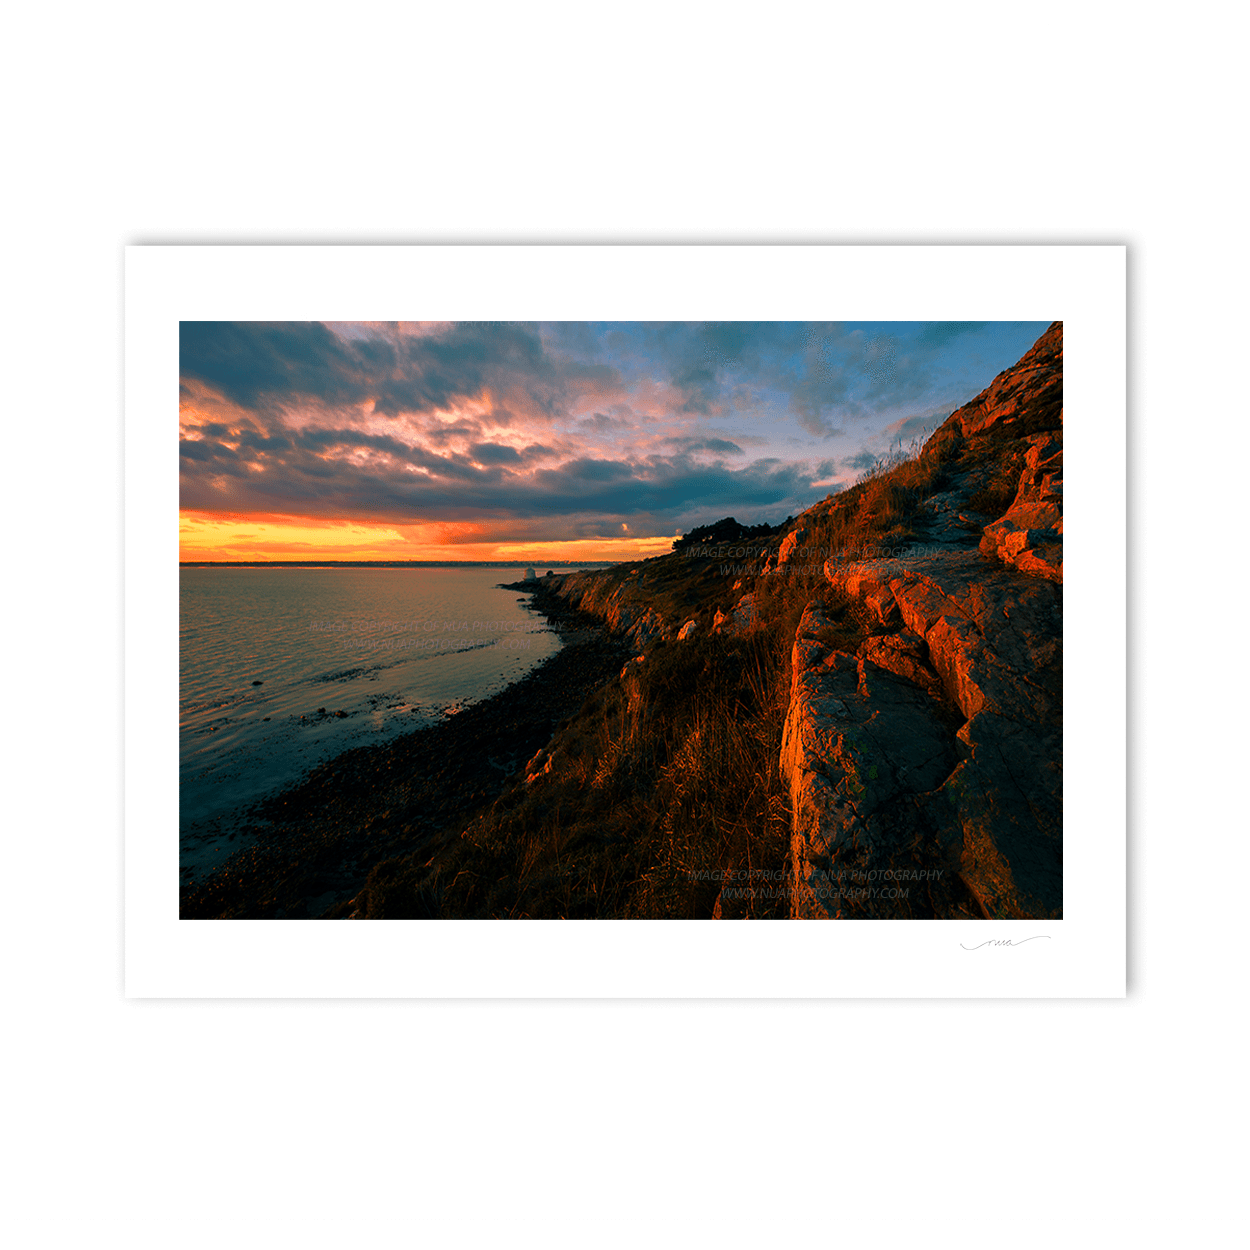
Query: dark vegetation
x,y
726,532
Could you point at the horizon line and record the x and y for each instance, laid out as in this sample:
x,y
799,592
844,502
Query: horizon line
x,y
386,563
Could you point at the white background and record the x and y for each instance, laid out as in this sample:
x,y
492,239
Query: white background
x,y
396,1123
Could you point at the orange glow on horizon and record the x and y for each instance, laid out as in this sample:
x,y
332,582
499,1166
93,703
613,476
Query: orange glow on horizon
x,y
206,536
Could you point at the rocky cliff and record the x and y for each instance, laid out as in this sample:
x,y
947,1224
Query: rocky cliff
x,y
673,597
621,604
938,745
923,721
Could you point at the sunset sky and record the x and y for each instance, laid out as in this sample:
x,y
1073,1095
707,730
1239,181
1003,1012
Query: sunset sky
x,y
545,441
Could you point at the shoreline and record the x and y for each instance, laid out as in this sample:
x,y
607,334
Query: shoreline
x,y
312,845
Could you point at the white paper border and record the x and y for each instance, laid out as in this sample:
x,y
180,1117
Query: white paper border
x,y
1082,956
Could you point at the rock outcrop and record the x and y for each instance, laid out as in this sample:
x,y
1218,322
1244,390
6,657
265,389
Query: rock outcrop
x,y
1029,394
789,544
938,747
864,750
622,607
1030,533
739,620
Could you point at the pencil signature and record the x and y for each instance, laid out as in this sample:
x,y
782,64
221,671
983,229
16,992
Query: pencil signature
x,y
1004,942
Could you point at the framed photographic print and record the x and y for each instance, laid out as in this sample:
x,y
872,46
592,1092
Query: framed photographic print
x,y
545,603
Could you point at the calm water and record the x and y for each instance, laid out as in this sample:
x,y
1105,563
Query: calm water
x,y
345,658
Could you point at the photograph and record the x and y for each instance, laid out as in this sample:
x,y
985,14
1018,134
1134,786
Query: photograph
x,y
572,620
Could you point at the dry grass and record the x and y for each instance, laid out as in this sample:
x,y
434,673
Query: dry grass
x,y
882,509
664,789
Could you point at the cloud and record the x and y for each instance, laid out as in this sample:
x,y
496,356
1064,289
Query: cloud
x,y
538,451
602,423
594,470
436,433
859,462
907,428
495,453
347,473
504,369
549,427
249,362
720,445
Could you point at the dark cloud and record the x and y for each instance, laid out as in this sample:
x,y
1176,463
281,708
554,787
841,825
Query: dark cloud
x,y
248,362
264,442
720,445
261,365
863,460
602,423
595,470
204,450
461,429
495,453
314,474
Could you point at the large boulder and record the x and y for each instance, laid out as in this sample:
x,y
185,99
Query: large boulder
x,y
976,643
861,749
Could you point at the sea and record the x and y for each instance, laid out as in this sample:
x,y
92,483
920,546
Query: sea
x,y
283,668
